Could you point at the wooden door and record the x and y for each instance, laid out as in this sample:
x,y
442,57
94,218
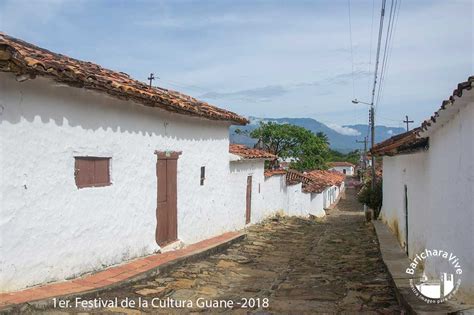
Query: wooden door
x,y
406,218
248,210
166,210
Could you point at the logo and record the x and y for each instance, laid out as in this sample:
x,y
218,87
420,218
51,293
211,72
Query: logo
x,y
442,283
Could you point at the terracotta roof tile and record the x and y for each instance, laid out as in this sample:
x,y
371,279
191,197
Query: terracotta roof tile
x,y
315,181
270,173
402,143
446,105
28,61
248,153
417,139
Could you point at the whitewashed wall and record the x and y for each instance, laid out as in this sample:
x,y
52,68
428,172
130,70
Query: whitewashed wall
x,y
440,194
239,170
49,228
275,194
398,171
451,186
330,195
317,205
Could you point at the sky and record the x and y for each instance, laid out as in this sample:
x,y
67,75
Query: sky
x,y
266,58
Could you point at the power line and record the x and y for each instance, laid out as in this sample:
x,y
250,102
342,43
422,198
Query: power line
x,y
371,40
384,58
352,54
388,49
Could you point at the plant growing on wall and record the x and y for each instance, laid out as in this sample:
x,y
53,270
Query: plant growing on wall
x,y
372,197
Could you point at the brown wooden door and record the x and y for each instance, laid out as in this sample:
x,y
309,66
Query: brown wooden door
x,y
166,210
248,210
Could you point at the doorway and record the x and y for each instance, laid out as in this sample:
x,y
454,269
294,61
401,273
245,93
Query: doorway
x,y
166,210
406,218
248,209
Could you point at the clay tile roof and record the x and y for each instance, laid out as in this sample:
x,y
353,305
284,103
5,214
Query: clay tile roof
x,y
25,59
315,181
402,143
248,153
417,139
335,164
270,173
447,107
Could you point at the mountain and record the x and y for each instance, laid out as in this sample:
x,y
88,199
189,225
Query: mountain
x,y
341,138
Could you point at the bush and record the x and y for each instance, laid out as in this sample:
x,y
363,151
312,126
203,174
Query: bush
x,y
372,197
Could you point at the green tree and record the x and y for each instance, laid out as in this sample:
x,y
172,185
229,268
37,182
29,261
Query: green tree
x,y
323,137
352,157
307,150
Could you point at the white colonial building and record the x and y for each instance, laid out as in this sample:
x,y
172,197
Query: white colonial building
x,y
342,167
98,168
428,188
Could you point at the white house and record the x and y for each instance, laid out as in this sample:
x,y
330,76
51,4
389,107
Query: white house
x,y
98,168
247,179
342,167
263,193
428,186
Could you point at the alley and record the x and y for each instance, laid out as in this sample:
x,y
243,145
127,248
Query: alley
x,y
286,265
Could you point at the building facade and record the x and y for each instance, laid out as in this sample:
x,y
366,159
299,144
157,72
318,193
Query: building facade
x,y
98,168
428,185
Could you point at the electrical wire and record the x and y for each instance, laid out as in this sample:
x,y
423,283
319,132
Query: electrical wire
x,y
384,58
352,54
370,49
389,41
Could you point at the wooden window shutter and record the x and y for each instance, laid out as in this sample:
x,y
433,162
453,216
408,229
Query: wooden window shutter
x,y
92,171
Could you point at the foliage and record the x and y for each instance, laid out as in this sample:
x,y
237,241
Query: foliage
x,y
321,135
372,197
306,150
352,157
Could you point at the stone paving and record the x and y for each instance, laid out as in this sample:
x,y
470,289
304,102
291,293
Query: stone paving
x,y
286,265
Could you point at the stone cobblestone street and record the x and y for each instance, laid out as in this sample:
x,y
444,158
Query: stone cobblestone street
x,y
299,266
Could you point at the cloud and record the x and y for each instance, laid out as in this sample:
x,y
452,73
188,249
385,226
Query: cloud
x,y
191,22
390,132
347,76
347,131
22,14
262,94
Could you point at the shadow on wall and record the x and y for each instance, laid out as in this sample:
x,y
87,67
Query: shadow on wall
x,y
76,107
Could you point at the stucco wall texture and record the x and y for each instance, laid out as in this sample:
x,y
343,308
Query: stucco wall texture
x,y
440,196
50,230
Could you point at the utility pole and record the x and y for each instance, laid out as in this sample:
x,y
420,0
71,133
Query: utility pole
x,y
408,122
365,150
151,78
371,104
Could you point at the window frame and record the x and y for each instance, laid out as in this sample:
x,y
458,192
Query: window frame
x,y
202,176
94,183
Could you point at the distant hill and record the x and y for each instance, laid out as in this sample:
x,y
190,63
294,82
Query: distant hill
x,y
341,138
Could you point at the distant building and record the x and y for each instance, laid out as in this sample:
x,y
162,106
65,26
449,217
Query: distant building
x,y
342,167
